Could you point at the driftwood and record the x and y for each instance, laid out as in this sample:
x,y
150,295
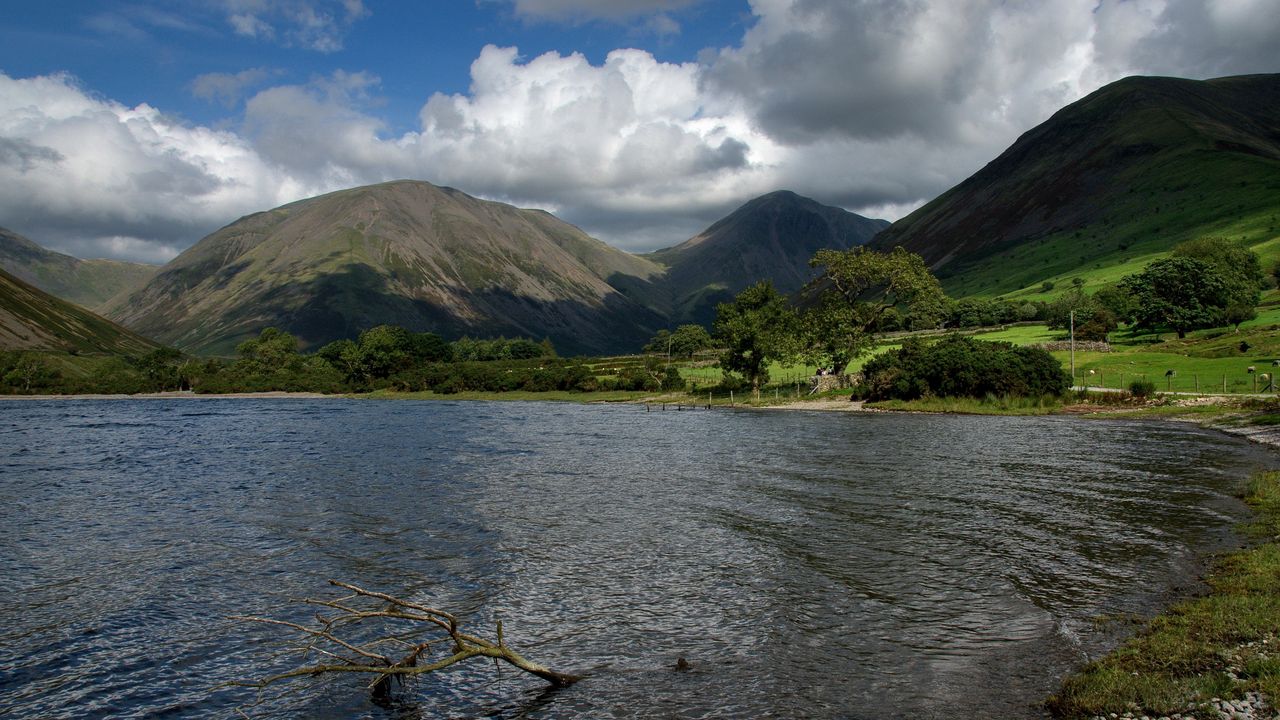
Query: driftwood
x,y
364,626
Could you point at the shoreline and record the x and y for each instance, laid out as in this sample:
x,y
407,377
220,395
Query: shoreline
x,y
181,395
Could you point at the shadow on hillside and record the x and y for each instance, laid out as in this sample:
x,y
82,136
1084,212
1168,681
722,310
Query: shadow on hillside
x,y
341,304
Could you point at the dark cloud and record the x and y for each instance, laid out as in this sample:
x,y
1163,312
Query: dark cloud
x,y
24,155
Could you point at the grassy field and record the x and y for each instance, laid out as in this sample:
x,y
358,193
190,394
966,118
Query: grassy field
x,y
974,406
514,395
1222,645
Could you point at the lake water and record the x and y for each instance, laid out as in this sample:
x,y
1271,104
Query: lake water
x,y
806,564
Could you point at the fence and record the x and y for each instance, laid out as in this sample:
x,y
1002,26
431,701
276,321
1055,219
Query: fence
x,y
1244,383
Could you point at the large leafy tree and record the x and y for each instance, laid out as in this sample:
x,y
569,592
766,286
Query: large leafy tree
x,y
1240,271
1179,293
755,328
272,350
856,291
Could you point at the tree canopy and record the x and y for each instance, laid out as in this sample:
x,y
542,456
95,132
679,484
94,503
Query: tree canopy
x,y
755,328
1239,269
857,290
1180,293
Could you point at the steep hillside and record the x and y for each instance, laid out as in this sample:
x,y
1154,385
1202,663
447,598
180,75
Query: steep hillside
x,y
772,236
31,319
406,252
1108,183
84,282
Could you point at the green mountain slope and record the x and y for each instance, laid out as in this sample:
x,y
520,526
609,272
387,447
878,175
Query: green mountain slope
x,y
771,237
1109,183
31,319
84,282
406,252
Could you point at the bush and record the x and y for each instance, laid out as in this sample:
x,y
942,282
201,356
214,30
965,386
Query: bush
x,y
963,367
1142,388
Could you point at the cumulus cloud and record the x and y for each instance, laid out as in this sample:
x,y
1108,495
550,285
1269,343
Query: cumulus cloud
x,y
873,105
80,172
315,24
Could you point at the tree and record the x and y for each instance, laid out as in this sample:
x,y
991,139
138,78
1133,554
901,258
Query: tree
x,y
28,371
272,350
682,343
1180,293
163,368
1093,321
856,290
1240,270
344,355
1118,301
429,347
755,328
383,350
957,366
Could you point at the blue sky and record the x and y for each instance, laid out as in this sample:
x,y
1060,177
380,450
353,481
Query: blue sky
x,y
152,53
132,129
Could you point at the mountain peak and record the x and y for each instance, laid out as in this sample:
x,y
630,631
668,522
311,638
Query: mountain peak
x,y
771,236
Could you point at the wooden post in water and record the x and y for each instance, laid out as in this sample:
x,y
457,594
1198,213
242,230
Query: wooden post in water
x,y
730,398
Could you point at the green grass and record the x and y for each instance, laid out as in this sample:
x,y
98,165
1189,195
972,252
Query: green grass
x,y
1182,656
1022,334
514,395
974,406
1192,195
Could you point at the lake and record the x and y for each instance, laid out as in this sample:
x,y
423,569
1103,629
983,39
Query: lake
x,y
823,565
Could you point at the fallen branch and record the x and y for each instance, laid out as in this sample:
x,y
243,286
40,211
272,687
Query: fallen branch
x,y
354,639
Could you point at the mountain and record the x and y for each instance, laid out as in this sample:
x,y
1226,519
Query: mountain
x,y
32,319
407,252
772,236
84,282
1109,183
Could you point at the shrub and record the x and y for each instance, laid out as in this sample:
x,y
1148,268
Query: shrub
x,y
1142,388
963,367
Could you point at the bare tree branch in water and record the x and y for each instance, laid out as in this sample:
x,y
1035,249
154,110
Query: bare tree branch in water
x,y
389,638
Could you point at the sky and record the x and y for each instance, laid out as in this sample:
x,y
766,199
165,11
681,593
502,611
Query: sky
x,y
131,129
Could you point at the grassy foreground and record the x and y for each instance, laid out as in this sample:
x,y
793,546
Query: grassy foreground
x,y
1222,645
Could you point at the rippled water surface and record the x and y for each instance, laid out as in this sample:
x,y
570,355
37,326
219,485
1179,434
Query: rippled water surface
x,y
806,564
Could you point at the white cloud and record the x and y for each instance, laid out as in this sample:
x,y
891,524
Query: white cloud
x,y
875,105
88,171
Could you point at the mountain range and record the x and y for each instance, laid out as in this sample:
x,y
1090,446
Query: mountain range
x,y
436,259
1102,187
